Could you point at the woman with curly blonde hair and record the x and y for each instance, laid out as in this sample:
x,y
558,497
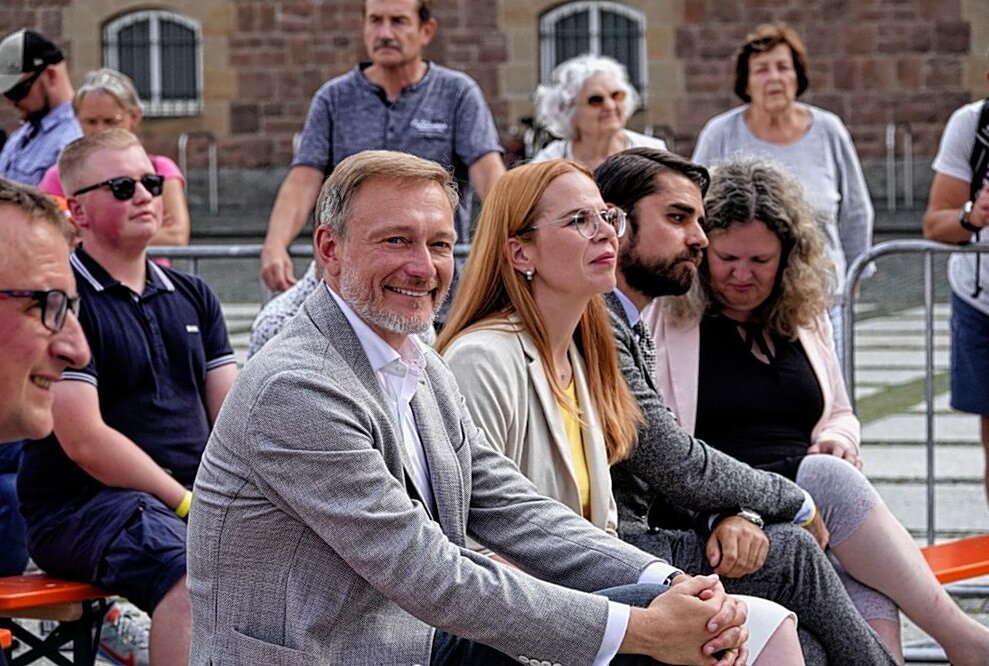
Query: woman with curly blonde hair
x,y
747,362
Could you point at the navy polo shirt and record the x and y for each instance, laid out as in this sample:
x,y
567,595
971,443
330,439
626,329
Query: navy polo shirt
x,y
150,355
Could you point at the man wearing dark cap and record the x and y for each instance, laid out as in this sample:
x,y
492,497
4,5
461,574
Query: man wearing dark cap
x,y
34,78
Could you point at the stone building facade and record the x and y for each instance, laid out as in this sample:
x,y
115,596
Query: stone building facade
x,y
909,62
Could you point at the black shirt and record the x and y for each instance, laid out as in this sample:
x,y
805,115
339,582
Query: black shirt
x,y
761,413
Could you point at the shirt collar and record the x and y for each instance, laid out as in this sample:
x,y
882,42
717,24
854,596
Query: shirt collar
x,y
631,312
98,278
378,89
58,115
380,354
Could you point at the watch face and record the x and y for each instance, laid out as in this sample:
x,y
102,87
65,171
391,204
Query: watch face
x,y
752,517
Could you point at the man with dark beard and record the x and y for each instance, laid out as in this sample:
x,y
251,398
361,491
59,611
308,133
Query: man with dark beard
x,y
722,505
35,79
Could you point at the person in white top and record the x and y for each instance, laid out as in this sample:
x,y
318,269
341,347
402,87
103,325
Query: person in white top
x,y
586,104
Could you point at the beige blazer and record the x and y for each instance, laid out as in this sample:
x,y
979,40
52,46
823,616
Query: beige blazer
x,y
678,362
509,397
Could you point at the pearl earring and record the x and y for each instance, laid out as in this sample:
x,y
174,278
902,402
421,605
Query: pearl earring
x,y
528,275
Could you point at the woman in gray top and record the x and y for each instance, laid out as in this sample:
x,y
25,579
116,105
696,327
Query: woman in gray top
x,y
810,143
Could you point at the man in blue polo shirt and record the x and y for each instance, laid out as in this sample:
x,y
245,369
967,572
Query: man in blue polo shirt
x,y
105,498
398,101
35,80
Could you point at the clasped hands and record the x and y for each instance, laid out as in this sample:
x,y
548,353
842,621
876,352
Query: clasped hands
x,y
694,622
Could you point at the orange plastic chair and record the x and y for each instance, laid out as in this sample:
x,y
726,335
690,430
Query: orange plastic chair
x,y
957,560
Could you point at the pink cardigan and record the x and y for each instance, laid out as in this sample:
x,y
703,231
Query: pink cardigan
x,y
678,361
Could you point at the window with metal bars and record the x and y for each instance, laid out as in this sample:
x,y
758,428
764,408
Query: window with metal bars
x,y
599,28
162,52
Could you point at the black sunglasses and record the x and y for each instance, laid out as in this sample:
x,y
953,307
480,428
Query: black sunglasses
x,y
22,88
598,100
123,187
55,305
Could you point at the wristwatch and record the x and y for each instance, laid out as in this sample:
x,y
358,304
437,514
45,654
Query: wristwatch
x,y
963,218
752,517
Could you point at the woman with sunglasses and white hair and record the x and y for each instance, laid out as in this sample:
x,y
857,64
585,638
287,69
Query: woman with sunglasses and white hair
x,y
586,104
107,99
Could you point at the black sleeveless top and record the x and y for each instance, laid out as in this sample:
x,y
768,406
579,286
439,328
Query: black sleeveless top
x,y
762,414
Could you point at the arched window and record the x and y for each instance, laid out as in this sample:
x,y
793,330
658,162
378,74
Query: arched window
x,y
162,52
600,28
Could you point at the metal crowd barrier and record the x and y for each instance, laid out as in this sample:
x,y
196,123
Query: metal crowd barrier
x,y
928,249
194,254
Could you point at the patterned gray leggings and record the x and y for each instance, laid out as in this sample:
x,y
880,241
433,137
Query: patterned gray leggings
x,y
844,496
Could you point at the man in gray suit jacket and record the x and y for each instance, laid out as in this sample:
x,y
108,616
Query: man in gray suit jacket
x,y
344,475
672,472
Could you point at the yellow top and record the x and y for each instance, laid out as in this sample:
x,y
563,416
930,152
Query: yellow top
x,y
575,436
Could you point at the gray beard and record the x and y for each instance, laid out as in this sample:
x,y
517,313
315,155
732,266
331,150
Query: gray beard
x,y
358,296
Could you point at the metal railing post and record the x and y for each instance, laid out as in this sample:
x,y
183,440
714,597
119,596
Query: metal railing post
x,y
854,274
213,165
890,166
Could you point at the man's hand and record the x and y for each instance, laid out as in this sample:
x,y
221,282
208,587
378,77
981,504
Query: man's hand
x,y
276,267
689,624
737,547
837,449
819,530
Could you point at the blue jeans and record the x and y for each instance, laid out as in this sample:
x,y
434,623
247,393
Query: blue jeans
x,y
13,555
449,649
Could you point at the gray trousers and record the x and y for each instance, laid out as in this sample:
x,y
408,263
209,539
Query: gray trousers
x,y
798,575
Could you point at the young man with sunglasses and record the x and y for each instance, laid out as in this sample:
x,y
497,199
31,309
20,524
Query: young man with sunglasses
x,y
40,335
105,498
35,80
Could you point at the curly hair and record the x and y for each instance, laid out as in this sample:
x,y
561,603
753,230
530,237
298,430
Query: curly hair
x,y
556,102
746,190
491,290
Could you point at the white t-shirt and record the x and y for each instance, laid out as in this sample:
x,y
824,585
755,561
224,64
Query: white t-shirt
x,y
953,160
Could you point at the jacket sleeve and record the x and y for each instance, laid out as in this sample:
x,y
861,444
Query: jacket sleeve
x,y
838,421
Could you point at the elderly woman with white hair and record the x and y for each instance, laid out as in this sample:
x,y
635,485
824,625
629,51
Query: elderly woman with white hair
x,y
107,99
586,104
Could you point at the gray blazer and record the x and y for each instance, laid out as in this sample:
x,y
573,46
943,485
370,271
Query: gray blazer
x,y
305,546
670,465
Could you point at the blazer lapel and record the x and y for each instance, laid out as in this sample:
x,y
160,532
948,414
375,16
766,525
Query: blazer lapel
x,y
444,470
331,323
595,449
549,405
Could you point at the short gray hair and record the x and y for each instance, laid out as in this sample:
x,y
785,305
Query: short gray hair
x,y
556,101
338,192
109,82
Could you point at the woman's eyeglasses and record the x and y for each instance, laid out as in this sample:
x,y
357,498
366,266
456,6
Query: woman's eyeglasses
x,y
55,305
586,222
598,100
22,88
123,187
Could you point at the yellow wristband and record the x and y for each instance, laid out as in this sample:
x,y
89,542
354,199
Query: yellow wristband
x,y
182,510
806,523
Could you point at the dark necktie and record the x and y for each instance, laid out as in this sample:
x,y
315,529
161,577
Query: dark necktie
x,y
31,133
647,346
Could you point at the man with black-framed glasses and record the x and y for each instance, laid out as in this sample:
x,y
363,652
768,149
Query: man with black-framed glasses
x,y
35,80
39,337
106,496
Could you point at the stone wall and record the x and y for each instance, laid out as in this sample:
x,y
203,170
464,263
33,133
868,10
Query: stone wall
x,y
909,62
